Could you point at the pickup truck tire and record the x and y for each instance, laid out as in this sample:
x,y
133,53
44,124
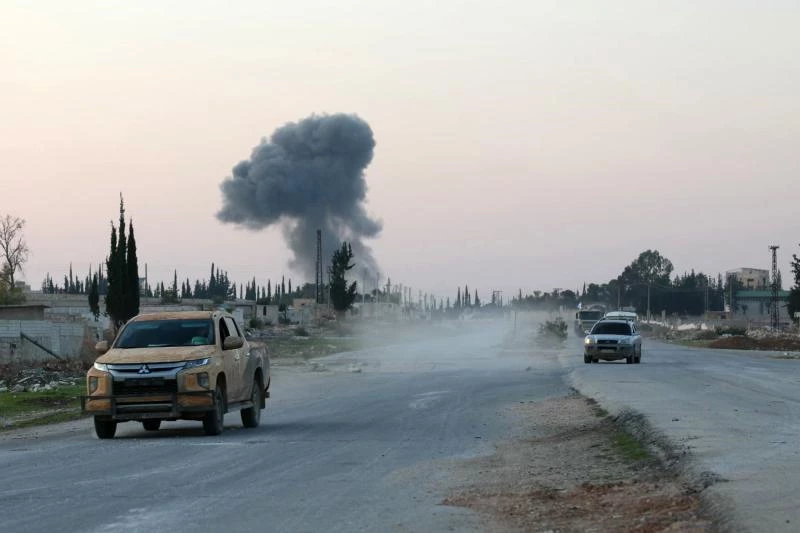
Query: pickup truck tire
x,y
213,421
252,415
104,428
151,424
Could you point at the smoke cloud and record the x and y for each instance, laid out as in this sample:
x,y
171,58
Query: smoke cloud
x,y
309,175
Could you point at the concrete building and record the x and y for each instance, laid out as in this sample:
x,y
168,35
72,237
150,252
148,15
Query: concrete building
x,y
750,278
755,305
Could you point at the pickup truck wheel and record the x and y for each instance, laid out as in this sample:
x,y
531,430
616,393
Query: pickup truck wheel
x,y
151,424
104,428
213,421
252,415
587,359
638,358
629,360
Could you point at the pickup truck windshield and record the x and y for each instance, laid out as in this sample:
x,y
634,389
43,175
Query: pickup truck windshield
x,y
611,328
154,333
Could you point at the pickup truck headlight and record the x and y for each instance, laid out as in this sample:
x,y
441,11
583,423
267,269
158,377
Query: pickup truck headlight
x,y
196,362
588,340
625,341
102,367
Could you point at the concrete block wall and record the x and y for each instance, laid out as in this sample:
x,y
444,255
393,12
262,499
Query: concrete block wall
x,y
64,339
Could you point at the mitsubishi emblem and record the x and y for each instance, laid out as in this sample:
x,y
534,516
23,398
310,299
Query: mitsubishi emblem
x,y
144,369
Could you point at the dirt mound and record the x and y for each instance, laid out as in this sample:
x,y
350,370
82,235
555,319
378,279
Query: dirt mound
x,y
738,342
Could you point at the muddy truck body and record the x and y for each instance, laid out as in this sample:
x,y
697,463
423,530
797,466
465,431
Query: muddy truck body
x,y
191,365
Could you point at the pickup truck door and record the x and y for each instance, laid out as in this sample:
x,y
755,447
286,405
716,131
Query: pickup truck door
x,y
230,362
243,361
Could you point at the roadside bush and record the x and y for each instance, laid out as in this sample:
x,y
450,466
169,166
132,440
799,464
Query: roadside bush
x,y
255,323
555,329
301,331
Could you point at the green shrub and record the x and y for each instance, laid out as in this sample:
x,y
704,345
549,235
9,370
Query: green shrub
x,y
553,329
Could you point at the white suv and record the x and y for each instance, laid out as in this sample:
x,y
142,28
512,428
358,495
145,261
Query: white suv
x,y
612,340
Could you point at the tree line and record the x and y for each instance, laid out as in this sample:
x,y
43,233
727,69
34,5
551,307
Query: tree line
x,y
646,283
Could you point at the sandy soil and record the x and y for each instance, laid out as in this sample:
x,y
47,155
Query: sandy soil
x,y
572,473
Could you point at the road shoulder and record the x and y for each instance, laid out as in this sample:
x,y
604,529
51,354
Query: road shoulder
x,y
578,469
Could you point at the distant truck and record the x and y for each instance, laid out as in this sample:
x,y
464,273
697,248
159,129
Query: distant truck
x,y
194,365
586,318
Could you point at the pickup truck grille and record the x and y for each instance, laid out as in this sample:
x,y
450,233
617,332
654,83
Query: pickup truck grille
x,y
607,342
145,386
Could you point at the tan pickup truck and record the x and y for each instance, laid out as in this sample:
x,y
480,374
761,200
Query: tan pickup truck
x,y
194,365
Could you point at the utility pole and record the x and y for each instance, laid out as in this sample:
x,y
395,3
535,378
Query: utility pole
x,y
319,279
775,309
648,301
363,287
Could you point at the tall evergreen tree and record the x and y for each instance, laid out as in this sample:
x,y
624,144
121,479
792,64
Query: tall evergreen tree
x,y
132,297
342,294
793,305
122,272
114,295
94,298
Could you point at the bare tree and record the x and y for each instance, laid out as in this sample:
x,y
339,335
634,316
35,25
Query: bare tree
x,y
13,246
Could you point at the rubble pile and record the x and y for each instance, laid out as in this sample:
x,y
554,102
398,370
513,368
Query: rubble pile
x,y
38,379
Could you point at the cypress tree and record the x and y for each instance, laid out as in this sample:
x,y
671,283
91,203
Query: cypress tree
x,y
122,273
113,296
94,298
132,296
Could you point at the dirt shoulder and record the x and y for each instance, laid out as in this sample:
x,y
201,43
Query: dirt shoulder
x,y
577,470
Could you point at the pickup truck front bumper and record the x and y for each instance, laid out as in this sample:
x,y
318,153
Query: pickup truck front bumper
x,y
139,407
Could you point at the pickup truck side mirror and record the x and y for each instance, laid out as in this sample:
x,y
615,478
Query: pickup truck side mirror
x,y
232,343
101,347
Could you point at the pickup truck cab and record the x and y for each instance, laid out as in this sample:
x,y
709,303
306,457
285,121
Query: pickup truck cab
x,y
193,365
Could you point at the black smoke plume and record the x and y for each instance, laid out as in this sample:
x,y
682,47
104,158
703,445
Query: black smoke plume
x,y
309,175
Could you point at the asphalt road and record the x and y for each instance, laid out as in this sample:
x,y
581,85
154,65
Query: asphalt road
x,y
363,443
737,413
358,446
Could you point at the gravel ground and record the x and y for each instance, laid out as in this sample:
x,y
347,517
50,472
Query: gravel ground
x,y
571,473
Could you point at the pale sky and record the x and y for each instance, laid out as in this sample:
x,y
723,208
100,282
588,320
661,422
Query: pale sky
x,y
520,144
